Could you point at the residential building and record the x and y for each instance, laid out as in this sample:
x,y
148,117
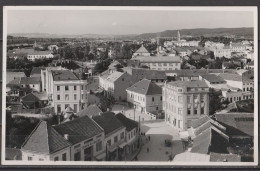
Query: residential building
x,y
35,100
33,83
161,62
131,135
237,47
184,101
145,96
33,55
114,135
115,83
142,51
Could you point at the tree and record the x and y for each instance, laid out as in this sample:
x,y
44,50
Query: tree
x,y
214,101
102,66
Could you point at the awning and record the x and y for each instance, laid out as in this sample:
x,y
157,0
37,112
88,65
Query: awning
x,y
101,156
122,145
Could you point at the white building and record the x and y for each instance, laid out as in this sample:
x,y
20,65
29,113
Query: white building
x,y
184,101
31,56
145,95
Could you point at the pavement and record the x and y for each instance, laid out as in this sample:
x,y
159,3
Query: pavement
x,y
158,132
130,113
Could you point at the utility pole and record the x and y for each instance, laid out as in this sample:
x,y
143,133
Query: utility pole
x,y
134,111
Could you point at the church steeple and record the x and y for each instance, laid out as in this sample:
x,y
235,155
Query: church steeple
x,y
178,36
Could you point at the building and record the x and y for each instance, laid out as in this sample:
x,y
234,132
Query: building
x,y
90,111
222,52
36,71
213,81
33,83
142,51
145,96
10,75
237,47
115,83
64,89
33,55
250,65
184,101
35,100
114,135
131,135
160,63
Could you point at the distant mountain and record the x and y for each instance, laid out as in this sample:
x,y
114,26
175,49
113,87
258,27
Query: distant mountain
x,y
245,31
238,32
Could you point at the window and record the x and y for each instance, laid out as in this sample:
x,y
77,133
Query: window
x,y
153,99
164,64
195,98
179,123
202,98
122,135
195,111
109,142
99,146
188,99
77,156
33,85
115,139
161,98
56,158
66,97
58,108
29,158
58,88
180,99
41,159
58,97
157,108
123,79
180,111
75,108
75,96
75,87
82,87
202,110
64,157
66,88
189,112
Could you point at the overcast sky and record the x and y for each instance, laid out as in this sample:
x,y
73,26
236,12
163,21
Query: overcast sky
x,y
120,22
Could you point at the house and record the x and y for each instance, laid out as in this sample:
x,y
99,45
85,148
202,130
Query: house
x,y
33,83
10,75
184,101
131,134
145,96
160,63
114,135
90,111
142,51
35,100
115,83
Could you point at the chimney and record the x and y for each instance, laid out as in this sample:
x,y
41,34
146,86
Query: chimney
x,y
66,136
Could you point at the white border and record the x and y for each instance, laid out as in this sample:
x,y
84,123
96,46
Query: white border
x,y
145,8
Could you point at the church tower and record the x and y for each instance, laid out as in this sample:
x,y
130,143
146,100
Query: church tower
x,y
178,36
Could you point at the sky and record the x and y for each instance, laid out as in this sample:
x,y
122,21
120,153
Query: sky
x,y
121,21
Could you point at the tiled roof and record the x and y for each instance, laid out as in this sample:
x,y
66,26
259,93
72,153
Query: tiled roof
x,y
37,70
202,142
12,75
190,84
232,77
161,59
238,124
108,122
212,78
63,75
45,139
145,87
31,52
114,76
79,129
218,157
91,110
198,122
139,74
128,123
30,80
142,49
34,97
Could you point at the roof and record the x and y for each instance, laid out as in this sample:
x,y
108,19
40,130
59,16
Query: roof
x,y
12,75
202,142
139,73
13,154
145,87
142,49
218,157
238,124
79,129
212,78
63,75
196,83
198,122
191,157
31,98
36,70
128,123
161,59
45,139
108,122
114,76
232,77
91,110
25,80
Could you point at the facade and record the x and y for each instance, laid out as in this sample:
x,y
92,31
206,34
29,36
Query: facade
x,y
145,96
114,135
222,52
115,83
161,62
31,56
184,101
